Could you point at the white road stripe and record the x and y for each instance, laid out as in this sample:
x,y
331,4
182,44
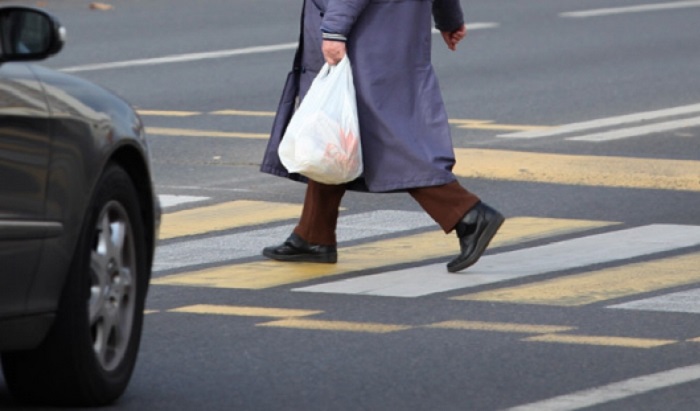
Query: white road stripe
x,y
180,58
639,131
475,26
607,122
631,9
564,255
615,391
680,302
167,200
250,243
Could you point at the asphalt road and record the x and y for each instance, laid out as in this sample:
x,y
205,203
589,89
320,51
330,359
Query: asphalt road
x,y
582,128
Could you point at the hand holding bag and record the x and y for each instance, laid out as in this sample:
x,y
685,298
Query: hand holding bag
x,y
322,140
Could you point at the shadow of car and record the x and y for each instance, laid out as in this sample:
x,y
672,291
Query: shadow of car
x,y
78,224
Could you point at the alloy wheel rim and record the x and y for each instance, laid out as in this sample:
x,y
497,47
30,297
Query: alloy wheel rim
x,y
113,285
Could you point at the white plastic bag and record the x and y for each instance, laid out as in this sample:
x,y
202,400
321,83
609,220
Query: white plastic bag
x,y
322,140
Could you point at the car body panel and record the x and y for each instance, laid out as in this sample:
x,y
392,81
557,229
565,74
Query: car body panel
x,y
89,125
82,128
24,158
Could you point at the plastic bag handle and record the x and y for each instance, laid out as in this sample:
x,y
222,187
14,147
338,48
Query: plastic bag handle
x,y
327,68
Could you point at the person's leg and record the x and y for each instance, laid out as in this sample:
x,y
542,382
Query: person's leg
x,y
313,239
455,208
446,204
319,216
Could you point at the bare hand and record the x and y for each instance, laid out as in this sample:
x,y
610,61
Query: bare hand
x,y
454,37
333,51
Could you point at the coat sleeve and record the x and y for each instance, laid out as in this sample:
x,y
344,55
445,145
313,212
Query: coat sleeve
x,y
448,15
340,16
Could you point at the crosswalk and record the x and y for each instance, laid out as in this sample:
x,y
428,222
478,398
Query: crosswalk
x,y
601,130
535,261
394,253
619,127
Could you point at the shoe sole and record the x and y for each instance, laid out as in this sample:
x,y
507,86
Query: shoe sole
x,y
481,245
303,258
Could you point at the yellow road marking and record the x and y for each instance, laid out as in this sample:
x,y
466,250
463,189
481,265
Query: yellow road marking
x,y
501,327
626,342
165,113
183,132
268,273
694,340
291,318
243,113
225,216
601,285
681,175
320,325
241,311
490,125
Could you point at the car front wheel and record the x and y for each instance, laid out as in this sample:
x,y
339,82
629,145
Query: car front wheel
x,y
90,353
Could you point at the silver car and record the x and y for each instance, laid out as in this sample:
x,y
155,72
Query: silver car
x,y
78,224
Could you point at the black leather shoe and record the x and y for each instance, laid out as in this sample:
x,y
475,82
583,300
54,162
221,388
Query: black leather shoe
x,y
297,249
475,232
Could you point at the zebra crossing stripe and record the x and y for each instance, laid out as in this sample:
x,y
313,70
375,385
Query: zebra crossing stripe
x,y
679,302
602,285
639,131
559,256
597,171
373,255
615,391
225,216
167,200
250,243
635,118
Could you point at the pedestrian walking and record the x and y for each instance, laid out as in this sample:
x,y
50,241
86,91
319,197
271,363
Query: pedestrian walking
x,y
406,142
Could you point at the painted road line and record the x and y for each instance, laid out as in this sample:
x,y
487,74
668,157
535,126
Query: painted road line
x,y
678,302
601,340
601,285
481,26
560,256
168,113
432,279
182,58
167,200
639,131
225,216
408,249
250,243
632,9
243,311
597,171
490,125
474,26
184,132
246,113
615,391
607,122
320,325
500,327
596,249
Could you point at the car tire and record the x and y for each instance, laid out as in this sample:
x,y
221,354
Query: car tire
x,y
89,355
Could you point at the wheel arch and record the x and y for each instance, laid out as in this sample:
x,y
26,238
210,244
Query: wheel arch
x,y
136,166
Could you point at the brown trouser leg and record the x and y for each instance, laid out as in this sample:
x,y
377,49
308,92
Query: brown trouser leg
x,y
446,204
319,217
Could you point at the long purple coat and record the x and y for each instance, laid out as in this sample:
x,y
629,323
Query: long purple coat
x,y
406,140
